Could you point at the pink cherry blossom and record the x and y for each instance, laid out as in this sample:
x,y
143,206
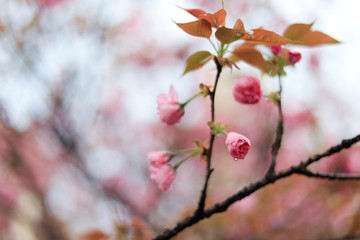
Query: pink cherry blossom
x,y
247,90
158,158
238,145
170,111
163,176
276,50
294,57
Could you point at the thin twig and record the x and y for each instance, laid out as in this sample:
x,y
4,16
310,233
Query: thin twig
x,y
279,133
330,176
209,170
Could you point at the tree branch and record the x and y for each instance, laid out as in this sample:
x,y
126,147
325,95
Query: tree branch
x,y
279,133
253,187
209,170
330,176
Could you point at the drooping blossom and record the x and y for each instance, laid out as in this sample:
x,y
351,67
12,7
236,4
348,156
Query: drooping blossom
x,y
170,111
158,158
163,176
247,90
238,145
276,50
294,57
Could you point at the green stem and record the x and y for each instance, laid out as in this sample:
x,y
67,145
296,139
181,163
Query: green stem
x,y
190,99
194,154
183,151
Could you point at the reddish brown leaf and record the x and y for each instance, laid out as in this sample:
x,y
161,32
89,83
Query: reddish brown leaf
x,y
228,35
95,235
197,60
195,12
265,37
240,26
217,19
303,35
199,28
248,54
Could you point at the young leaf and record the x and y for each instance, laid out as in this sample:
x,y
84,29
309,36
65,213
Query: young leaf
x,y
195,12
248,54
199,28
216,20
228,35
265,37
303,35
240,26
297,31
197,60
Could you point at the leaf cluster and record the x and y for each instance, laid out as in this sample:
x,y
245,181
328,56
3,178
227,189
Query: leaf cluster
x,y
296,34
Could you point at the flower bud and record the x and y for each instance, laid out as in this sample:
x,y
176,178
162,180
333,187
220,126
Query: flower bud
x,y
163,176
238,145
170,111
294,57
158,158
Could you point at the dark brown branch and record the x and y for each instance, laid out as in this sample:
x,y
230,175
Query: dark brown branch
x,y
251,188
279,133
346,143
209,170
330,176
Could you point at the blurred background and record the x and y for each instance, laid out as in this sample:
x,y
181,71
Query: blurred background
x,y
79,80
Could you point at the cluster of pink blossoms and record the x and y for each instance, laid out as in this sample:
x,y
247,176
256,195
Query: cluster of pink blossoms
x,y
246,90
292,57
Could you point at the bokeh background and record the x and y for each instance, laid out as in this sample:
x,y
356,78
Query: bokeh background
x,y
79,80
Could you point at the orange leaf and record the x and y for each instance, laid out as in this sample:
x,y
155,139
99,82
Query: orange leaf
x,y
240,26
265,37
195,12
228,35
303,35
95,235
199,28
297,31
248,54
197,60
216,20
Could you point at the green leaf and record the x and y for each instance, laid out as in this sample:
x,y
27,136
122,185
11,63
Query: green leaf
x,y
217,128
228,35
303,35
199,28
197,60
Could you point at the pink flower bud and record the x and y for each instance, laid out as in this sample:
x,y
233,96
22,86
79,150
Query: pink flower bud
x,y
163,176
158,158
276,50
247,90
170,111
238,145
294,57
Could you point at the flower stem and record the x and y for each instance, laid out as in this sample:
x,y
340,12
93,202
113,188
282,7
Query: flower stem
x,y
190,99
